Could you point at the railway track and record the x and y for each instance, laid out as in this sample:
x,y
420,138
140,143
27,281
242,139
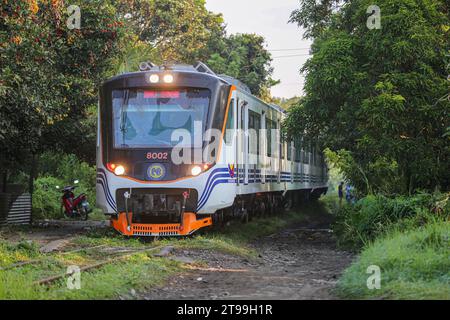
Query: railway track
x,y
119,253
37,261
122,256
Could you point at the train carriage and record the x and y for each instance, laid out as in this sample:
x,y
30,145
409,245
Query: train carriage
x,y
180,147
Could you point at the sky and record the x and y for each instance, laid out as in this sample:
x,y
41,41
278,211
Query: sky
x,y
269,18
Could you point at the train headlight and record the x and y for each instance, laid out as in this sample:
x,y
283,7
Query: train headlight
x,y
195,171
168,78
119,170
154,78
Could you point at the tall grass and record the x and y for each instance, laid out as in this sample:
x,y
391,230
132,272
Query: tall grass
x,y
414,265
406,237
373,216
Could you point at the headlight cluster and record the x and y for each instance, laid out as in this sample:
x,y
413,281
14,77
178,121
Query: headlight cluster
x,y
155,78
196,170
118,169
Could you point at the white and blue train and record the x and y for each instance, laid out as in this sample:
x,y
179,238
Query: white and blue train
x,y
148,119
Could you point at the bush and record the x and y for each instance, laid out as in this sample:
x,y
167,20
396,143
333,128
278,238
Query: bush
x,y
56,170
67,168
373,216
46,198
414,265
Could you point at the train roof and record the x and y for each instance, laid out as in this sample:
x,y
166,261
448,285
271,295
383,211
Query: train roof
x,y
200,67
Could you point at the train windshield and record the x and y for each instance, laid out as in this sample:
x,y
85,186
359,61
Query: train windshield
x,y
147,118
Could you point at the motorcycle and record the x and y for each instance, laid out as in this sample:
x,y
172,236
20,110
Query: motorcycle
x,y
74,207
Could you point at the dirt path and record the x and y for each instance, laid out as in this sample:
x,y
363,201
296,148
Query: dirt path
x,y
300,262
45,231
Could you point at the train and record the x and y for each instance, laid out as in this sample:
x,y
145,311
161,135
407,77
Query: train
x,y
181,148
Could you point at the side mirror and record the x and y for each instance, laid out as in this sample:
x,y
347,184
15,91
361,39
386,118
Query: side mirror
x,y
76,181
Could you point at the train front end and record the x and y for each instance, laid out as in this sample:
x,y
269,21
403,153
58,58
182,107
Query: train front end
x,y
151,166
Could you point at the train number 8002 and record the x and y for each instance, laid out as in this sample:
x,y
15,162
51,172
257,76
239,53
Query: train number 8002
x,y
157,156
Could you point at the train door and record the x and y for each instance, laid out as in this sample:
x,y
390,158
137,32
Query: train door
x,y
263,149
280,151
242,145
238,156
231,137
292,158
254,127
246,140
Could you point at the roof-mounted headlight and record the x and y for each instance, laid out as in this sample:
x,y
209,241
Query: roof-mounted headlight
x,y
168,78
154,78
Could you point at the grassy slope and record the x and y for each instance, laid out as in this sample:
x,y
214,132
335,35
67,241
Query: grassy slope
x,y
414,265
137,272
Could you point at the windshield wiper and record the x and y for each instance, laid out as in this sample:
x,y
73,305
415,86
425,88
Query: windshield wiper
x,y
123,116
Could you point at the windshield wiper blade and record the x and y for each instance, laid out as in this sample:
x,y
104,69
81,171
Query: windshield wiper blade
x,y
123,116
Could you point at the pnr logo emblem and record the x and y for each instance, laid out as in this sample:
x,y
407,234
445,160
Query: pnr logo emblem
x,y
156,171
231,170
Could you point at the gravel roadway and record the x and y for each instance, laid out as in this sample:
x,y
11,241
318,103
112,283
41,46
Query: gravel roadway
x,y
299,262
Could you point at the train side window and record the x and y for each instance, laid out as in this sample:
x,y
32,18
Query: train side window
x,y
229,128
254,124
270,125
313,155
289,150
298,149
281,142
283,149
306,150
269,137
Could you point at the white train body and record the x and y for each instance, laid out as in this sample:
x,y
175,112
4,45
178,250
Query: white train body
x,y
251,168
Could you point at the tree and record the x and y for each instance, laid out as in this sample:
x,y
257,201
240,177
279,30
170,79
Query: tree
x,y
315,16
85,58
177,30
286,103
245,58
184,31
49,74
379,95
26,76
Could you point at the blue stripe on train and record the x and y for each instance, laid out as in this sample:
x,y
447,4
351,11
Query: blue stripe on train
x,y
110,202
211,188
101,175
223,172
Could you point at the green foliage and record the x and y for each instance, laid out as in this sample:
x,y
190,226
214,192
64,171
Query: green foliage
x,y
373,216
68,168
244,57
49,73
60,170
314,16
177,30
46,198
381,175
414,265
139,272
22,251
185,31
286,103
376,95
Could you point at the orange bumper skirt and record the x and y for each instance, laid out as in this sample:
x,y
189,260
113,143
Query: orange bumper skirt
x,y
190,225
